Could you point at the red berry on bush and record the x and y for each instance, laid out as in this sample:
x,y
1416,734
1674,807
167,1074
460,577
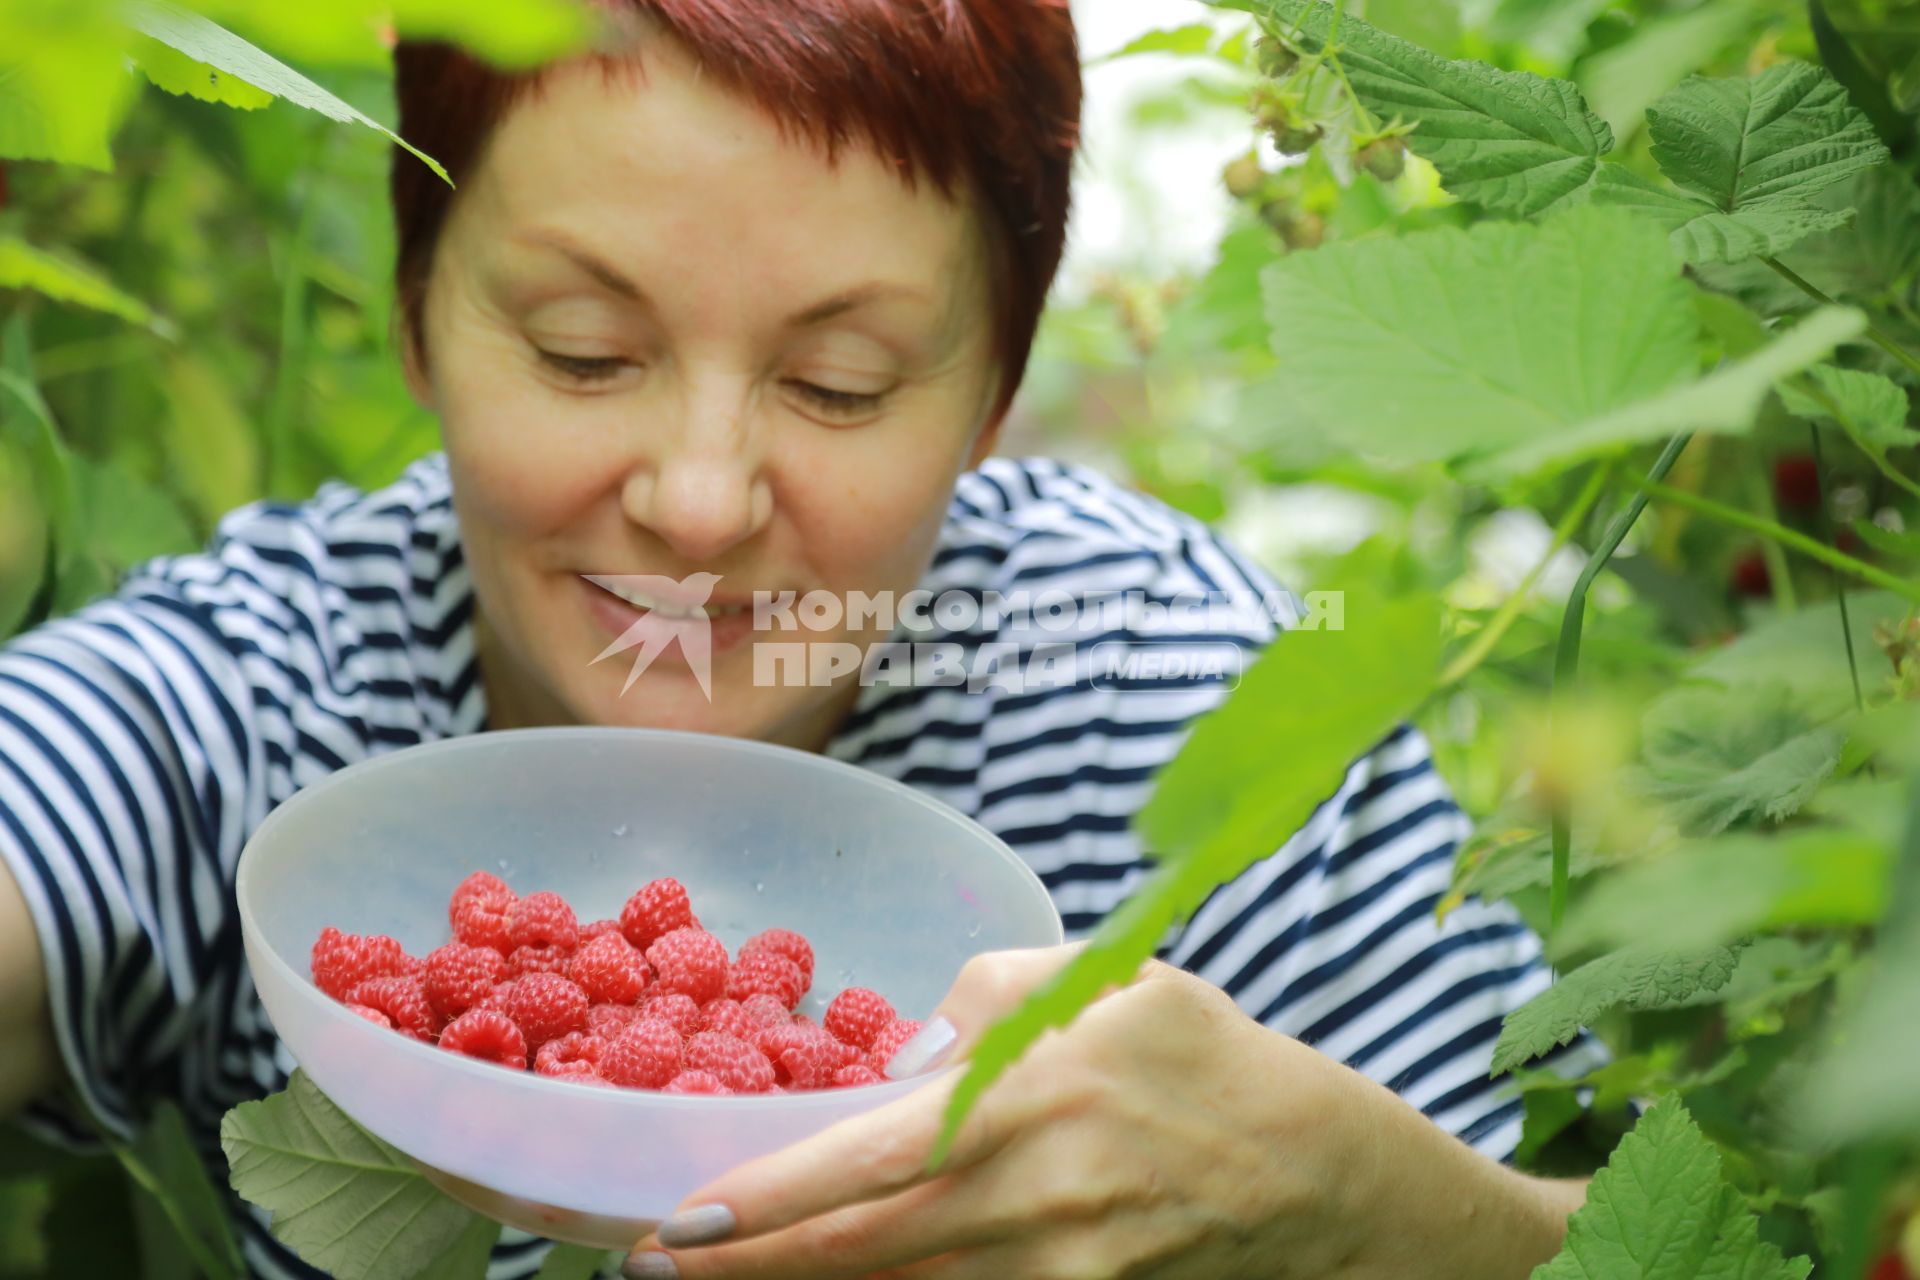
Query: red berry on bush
x,y
1889,1266
1796,482
488,1035
1750,576
655,911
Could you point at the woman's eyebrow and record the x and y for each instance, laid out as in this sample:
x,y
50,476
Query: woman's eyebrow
x,y
818,313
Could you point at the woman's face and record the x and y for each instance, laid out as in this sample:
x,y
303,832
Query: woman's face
x,y
662,340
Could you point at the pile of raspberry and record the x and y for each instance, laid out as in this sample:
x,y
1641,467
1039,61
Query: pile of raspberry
x,y
648,1001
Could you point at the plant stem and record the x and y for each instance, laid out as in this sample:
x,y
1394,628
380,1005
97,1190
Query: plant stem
x,y
1880,336
1779,572
1497,626
1839,583
1797,541
1566,658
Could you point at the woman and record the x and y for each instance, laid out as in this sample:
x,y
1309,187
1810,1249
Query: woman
x,y
750,301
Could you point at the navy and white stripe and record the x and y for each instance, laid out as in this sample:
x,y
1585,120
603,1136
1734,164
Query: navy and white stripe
x,y
144,738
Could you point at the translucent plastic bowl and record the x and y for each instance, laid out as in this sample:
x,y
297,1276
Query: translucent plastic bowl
x,y
894,890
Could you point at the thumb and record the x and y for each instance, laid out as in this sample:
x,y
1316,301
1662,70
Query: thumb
x,y
990,986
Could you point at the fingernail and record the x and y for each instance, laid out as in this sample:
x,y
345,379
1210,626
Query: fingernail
x,y
927,1050
702,1224
649,1266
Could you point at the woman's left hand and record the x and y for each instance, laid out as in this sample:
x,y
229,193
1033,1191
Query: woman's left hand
x,y
1163,1133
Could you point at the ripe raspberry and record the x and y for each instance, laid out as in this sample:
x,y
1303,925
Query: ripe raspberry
x,y
481,923
490,1036
459,976
730,1060
413,967
787,943
855,1075
690,961
888,1042
574,1049
342,961
543,920
609,1020
646,1055
374,1016
765,972
812,1062
655,911
404,1002
497,1000
609,970
696,1082
481,886
526,960
765,1010
857,1015
677,1011
775,1041
727,1016
546,1006
588,932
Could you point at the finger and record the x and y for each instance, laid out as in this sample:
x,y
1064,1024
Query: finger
x,y
861,1159
989,987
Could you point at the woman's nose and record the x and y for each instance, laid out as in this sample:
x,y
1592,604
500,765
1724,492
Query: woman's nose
x,y
706,490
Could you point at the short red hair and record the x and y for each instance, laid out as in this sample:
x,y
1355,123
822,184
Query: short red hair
x,y
980,97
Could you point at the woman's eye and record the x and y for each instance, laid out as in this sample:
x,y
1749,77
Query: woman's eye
x,y
845,403
583,368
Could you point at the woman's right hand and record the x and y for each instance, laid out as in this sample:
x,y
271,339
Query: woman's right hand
x,y
27,1058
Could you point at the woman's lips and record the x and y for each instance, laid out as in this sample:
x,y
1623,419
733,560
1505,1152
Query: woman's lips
x,y
726,627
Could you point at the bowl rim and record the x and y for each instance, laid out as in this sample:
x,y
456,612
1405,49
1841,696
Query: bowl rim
x,y
638,1099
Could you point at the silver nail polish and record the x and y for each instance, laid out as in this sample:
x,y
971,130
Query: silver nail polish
x,y
927,1050
649,1266
702,1224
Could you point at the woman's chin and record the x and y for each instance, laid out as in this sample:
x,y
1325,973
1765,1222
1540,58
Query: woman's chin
x,y
673,699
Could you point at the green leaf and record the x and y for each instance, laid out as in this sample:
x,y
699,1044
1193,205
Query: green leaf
x,y
1717,755
24,534
1784,134
212,447
1738,883
175,72
206,41
1448,343
343,1200
162,1163
1623,80
1875,406
63,81
1727,400
1750,154
576,1262
1635,978
467,1257
1193,38
24,267
1661,1210
1805,650
1250,775
511,34
1505,140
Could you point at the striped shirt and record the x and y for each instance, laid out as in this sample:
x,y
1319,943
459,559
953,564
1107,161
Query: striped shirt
x,y
144,738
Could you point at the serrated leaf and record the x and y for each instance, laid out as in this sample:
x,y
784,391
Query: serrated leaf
x,y
206,41
1249,776
1875,406
24,267
1701,233
1806,651
1728,400
1622,80
175,72
64,85
1735,884
1635,978
343,1200
1505,140
1786,133
1449,343
1661,1210
1717,755
467,1257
